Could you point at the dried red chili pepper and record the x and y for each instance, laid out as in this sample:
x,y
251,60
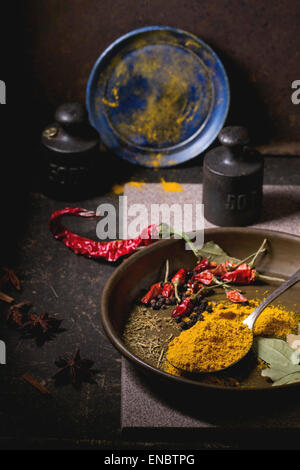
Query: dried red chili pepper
x,y
152,293
178,279
168,290
202,265
205,277
184,308
235,296
110,251
219,270
193,287
243,274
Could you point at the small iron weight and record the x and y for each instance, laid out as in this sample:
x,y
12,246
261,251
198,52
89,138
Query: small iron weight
x,y
232,180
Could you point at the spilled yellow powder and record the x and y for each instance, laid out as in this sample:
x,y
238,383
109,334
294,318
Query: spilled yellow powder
x,y
171,187
119,188
136,184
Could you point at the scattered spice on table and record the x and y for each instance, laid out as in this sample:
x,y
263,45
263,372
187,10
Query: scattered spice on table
x,y
10,275
40,387
6,298
74,370
17,314
119,188
171,187
41,327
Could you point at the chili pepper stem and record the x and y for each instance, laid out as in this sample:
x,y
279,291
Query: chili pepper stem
x,y
176,293
205,288
268,278
172,231
232,268
167,271
227,287
259,251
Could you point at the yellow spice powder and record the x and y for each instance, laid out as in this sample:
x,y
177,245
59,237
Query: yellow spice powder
x,y
273,321
171,187
221,338
210,345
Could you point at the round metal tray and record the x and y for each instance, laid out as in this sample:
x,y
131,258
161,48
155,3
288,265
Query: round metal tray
x,y
158,96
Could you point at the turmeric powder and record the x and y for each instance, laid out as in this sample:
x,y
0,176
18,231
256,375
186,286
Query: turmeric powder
x,y
273,321
221,338
210,345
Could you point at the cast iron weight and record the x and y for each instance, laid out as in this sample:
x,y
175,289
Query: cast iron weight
x,y
232,180
70,151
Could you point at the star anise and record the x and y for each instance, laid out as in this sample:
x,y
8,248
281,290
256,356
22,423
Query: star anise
x,y
11,276
17,314
74,370
41,327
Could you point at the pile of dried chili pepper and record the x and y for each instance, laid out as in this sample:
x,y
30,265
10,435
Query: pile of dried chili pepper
x,y
190,286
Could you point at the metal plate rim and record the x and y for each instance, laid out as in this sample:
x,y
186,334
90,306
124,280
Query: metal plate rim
x,y
193,150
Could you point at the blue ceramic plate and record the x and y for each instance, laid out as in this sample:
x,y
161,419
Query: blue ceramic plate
x,y
158,96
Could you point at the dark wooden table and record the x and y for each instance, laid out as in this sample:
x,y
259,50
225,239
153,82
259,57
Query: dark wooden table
x,y
69,286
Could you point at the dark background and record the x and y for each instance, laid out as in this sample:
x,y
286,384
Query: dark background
x,y
257,41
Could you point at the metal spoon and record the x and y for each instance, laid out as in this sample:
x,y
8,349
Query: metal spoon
x,y
251,319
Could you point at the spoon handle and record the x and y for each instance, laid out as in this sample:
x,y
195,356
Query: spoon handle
x,y
250,320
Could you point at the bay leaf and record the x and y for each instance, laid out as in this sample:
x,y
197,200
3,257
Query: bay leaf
x,y
275,352
275,374
214,252
288,379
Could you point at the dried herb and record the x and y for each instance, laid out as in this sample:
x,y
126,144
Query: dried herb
x,y
276,352
214,252
282,359
17,314
74,370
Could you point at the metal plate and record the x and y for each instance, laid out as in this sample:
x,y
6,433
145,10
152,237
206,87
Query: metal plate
x,y
158,96
144,268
